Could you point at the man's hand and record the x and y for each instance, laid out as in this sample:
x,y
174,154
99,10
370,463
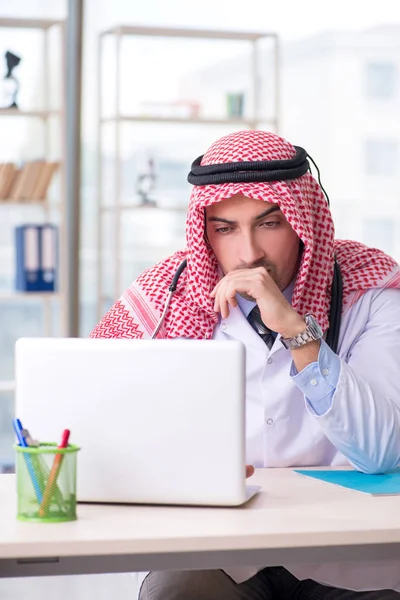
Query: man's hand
x,y
276,312
249,470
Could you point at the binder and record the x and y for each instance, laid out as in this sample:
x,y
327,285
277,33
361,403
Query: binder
x,y
48,248
36,258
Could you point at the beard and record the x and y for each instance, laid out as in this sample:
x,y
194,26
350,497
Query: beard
x,y
269,267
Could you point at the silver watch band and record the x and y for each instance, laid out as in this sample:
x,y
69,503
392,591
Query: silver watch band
x,y
311,333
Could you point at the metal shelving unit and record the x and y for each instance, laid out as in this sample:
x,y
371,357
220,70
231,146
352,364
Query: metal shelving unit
x,y
7,386
39,114
44,114
179,120
118,119
28,295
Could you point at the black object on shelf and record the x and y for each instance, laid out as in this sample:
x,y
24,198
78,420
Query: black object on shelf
x,y
146,183
10,83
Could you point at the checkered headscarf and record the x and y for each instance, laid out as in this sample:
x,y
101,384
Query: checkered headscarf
x,y
301,200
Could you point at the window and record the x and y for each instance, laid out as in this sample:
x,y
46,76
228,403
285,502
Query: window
x,y
379,233
381,157
380,80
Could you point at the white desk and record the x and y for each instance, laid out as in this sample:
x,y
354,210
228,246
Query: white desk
x,y
294,519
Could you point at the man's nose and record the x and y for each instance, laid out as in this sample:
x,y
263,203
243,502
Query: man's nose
x,y
250,251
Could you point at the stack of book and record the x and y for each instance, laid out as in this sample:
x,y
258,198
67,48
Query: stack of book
x,y
30,182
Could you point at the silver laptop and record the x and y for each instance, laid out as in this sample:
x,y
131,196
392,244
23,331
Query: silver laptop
x,y
158,421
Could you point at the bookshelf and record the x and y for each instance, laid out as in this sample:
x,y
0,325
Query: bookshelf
x,y
119,207
25,185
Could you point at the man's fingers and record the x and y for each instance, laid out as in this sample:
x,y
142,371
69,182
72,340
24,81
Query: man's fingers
x,y
231,297
224,293
224,307
215,290
224,296
249,470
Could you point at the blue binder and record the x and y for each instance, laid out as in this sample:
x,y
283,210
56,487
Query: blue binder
x,y
36,258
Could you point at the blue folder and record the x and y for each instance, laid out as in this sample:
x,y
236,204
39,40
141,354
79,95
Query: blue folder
x,y
385,484
36,258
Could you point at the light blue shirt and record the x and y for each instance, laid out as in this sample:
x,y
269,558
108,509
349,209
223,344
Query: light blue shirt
x,y
319,379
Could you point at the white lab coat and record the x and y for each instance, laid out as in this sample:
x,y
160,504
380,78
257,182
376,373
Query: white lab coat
x,y
283,431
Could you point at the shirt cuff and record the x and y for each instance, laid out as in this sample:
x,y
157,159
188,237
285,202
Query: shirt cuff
x,y
318,381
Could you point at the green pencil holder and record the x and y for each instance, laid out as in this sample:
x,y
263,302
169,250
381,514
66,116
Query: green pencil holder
x,y
46,483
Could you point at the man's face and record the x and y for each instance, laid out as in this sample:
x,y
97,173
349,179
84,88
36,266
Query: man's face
x,y
246,233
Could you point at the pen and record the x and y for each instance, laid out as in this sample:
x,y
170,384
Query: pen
x,y
29,440
40,467
22,442
55,469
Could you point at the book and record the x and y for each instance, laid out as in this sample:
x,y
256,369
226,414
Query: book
x,y
30,182
43,183
2,179
11,174
34,169
14,185
386,484
7,174
19,183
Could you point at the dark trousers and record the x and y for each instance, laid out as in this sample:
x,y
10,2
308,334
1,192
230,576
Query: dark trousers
x,y
272,583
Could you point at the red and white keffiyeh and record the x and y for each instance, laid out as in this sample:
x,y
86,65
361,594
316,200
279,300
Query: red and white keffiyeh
x,y
191,313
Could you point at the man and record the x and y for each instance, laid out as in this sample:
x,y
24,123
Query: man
x,y
260,236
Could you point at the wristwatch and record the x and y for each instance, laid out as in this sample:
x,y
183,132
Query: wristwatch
x,y
311,333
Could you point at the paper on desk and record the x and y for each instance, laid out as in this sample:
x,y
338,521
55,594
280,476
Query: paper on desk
x,y
387,484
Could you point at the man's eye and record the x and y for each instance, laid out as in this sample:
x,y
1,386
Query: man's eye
x,y
223,230
270,224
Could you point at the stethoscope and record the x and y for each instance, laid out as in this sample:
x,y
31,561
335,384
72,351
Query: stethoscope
x,y
171,292
274,170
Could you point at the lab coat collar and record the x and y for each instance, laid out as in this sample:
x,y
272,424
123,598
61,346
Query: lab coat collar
x,y
237,326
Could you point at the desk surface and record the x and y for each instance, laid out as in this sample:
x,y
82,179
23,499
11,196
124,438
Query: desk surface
x,y
305,518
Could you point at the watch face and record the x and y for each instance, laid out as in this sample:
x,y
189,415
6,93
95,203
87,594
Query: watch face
x,y
312,322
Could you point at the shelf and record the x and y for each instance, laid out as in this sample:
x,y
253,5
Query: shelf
x,y
38,114
13,295
173,116
35,203
47,34
195,121
189,33
7,386
177,209
29,23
